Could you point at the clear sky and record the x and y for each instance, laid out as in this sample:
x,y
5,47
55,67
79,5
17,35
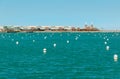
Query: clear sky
x,y
102,13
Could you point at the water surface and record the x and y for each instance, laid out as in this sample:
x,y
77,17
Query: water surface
x,y
84,57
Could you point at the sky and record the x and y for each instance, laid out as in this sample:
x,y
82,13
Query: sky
x,y
104,14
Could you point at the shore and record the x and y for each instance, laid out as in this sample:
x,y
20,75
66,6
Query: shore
x,y
64,31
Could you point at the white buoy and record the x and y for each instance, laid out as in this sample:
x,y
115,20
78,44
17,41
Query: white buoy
x,y
54,45
68,41
105,42
17,42
76,38
9,36
107,47
44,50
104,38
12,39
45,37
115,57
33,40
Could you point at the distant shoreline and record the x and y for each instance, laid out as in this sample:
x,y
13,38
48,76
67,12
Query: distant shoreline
x,y
102,31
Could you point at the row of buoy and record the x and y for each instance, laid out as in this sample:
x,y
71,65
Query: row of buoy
x,y
107,47
17,42
115,56
54,45
45,50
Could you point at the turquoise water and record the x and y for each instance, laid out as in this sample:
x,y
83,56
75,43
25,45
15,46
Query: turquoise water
x,y
84,57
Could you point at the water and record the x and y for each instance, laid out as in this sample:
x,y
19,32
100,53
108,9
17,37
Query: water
x,y
84,58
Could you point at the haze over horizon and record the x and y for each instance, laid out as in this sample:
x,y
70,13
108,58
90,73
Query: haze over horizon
x,y
104,14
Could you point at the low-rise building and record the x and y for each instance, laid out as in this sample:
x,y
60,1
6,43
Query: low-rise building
x,y
1,29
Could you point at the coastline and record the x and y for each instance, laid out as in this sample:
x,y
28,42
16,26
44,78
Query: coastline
x,y
101,31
